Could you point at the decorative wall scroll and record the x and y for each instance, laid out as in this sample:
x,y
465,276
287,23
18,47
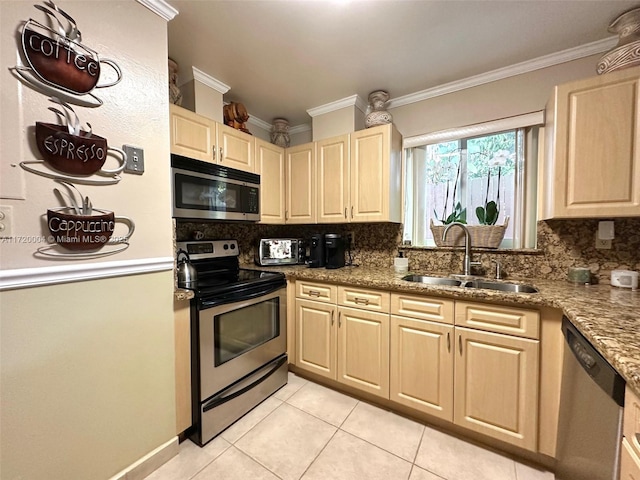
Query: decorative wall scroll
x,y
79,230
56,63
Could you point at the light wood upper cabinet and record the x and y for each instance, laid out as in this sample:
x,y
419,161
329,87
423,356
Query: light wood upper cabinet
x,y
270,165
496,385
592,162
301,185
201,138
235,148
376,175
192,135
333,179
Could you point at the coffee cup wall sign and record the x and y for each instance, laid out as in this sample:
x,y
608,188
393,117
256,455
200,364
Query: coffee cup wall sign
x,y
79,230
73,153
57,63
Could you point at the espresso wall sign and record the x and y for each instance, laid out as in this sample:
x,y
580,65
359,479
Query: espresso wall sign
x,y
56,61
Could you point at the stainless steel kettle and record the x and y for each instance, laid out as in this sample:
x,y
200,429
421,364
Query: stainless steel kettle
x,y
186,272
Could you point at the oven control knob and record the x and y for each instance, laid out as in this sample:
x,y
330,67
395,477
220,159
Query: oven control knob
x,y
226,247
233,246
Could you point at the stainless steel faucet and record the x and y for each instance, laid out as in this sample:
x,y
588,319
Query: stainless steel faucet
x,y
466,263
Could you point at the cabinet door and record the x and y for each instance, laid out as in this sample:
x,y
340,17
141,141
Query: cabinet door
x,y
192,135
235,148
593,161
629,463
182,341
270,167
301,191
363,350
496,385
316,333
333,179
375,175
422,366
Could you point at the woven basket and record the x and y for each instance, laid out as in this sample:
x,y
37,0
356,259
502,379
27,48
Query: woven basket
x,y
483,236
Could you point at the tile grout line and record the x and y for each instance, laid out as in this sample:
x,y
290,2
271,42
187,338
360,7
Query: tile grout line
x,y
212,460
258,462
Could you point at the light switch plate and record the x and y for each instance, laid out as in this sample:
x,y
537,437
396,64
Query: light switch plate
x,y
135,159
6,221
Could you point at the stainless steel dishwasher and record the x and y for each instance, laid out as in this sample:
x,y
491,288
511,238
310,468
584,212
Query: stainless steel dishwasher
x,y
590,418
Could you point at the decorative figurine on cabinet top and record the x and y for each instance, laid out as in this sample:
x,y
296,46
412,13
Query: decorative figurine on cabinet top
x,y
627,52
378,115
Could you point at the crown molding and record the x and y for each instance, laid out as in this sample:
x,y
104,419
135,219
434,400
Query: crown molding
x,y
353,100
303,127
259,123
550,60
37,277
209,81
161,8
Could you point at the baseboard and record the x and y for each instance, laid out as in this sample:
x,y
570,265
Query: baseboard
x,y
150,462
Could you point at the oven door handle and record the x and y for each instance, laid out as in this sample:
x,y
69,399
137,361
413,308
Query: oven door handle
x,y
239,297
229,393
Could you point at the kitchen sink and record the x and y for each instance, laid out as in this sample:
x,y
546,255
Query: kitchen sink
x,y
433,280
484,284
502,286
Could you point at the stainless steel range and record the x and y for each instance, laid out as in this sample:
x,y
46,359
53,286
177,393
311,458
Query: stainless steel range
x,y
238,336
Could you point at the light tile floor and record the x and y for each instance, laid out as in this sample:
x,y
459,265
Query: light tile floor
x,y
309,432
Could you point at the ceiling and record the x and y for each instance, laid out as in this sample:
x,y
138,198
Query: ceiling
x,y
283,57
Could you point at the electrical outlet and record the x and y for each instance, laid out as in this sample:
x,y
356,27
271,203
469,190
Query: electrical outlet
x,y
351,240
603,244
6,221
135,159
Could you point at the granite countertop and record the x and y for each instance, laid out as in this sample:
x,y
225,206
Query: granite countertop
x,y
608,316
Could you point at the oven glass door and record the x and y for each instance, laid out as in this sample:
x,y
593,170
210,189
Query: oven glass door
x,y
239,338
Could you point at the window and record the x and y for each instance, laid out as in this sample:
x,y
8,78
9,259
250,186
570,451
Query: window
x,y
458,180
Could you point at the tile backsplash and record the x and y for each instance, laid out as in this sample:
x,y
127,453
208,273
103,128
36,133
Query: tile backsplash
x,y
561,244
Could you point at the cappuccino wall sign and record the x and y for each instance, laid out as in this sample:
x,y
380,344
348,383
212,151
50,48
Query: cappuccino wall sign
x,y
57,63
78,230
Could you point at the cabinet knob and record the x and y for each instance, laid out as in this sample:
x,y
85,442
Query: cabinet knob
x,y
213,152
221,153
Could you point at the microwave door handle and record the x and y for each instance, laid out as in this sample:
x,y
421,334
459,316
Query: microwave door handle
x,y
229,394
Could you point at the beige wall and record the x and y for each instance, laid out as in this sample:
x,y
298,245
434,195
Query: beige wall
x,y
504,98
134,112
87,378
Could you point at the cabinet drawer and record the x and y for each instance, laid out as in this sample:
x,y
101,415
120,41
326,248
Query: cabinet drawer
x,y
629,463
365,299
320,292
512,321
424,308
632,420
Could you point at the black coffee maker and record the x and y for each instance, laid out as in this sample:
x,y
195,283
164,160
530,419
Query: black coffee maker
x,y
317,256
334,246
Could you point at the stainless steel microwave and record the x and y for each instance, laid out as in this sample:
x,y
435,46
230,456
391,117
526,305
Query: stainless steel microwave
x,y
203,190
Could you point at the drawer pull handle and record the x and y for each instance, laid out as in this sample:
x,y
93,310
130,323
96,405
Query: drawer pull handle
x,y
460,343
448,341
361,301
314,293
339,319
332,318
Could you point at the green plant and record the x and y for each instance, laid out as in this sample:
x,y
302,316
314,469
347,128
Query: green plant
x,y
458,214
489,213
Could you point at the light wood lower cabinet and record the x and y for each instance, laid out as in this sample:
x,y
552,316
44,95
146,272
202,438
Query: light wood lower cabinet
x,y
484,381
629,462
496,386
316,337
630,453
363,350
350,345
422,366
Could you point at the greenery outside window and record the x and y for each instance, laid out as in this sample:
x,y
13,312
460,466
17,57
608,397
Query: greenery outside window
x,y
471,179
